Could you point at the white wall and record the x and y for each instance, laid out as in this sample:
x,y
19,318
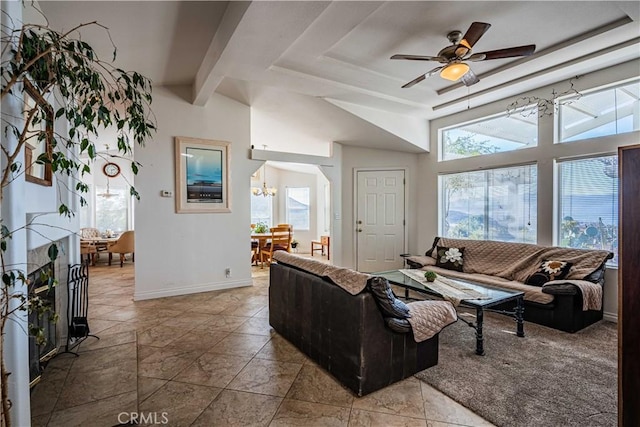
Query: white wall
x,y
297,179
544,154
358,158
186,253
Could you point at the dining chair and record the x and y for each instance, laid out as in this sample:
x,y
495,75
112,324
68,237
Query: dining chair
x,y
88,249
90,234
281,237
124,245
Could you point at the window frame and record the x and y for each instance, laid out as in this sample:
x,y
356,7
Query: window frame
x,y
286,209
562,102
441,131
487,199
557,193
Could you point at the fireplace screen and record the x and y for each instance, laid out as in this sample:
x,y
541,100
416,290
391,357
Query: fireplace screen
x,y
40,353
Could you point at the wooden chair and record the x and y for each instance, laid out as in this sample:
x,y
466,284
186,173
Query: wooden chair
x,y
281,237
90,233
124,245
324,241
89,249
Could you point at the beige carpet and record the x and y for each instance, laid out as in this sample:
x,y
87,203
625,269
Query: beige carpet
x,y
548,378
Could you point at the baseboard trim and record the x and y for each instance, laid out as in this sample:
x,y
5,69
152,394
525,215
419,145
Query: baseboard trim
x,y
194,289
611,317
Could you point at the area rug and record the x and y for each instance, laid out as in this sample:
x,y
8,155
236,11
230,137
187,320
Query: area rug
x,y
548,378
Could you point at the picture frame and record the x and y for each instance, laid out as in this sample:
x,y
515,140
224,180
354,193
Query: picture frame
x,y
203,175
39,137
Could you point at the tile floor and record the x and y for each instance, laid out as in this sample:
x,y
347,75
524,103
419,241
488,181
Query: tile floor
x,y
210,359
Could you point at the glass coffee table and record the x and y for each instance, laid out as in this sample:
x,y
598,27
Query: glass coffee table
x,y
491,297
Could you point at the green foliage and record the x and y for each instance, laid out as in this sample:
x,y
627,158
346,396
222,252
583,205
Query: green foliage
x,y
90,95
261,227
467,146
430,275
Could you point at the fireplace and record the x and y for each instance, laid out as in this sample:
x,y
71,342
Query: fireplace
x,y
40,353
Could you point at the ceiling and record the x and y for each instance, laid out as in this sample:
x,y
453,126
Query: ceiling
x,y
330,60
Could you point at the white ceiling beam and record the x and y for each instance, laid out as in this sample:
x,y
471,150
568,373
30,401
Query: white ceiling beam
x,y
345,86
207,80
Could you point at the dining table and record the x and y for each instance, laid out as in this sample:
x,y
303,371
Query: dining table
x,y
262,242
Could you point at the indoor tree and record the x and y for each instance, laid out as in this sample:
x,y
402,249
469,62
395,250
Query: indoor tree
x,y
91,95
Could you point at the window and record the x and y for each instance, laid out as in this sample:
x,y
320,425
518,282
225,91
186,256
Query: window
x,y
112,211
298,208
261,209
497,204
606,112
588,204
491,135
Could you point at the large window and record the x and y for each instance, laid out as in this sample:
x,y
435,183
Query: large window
x,y
490,135
298,208
497,204
261,209
605,112
588,202
112,209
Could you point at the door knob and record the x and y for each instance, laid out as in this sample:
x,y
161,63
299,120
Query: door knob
x,y
359,222
359,230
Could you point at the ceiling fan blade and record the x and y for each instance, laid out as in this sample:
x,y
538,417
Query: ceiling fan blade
x,y
509,52
435,70
415,81
469,78
473,34
419,58
476,57
422,77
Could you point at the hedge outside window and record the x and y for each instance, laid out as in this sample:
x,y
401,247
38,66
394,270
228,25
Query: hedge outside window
x,y
490,135
610,111
494,204
588,204
297,204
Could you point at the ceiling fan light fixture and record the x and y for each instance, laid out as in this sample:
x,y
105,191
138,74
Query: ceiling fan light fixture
x,y
454,71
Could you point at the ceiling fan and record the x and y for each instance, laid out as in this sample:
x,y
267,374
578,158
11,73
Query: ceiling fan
x,y
453,57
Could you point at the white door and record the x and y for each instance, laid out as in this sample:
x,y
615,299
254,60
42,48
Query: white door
x,y
380,220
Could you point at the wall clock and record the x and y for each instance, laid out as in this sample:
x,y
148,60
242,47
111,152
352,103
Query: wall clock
x,y
111,170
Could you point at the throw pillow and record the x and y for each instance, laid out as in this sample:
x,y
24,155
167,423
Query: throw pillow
x,y
449,258
549,270
386,299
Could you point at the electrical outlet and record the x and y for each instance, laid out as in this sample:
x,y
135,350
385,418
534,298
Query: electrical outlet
x,y
227,272
166,193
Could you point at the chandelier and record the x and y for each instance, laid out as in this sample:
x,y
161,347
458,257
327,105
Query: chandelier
x,y
265,191
106,194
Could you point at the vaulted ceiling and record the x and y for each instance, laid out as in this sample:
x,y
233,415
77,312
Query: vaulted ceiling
x,y
331,60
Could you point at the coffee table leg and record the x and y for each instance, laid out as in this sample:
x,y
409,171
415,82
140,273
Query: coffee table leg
x,y
479,337
520,317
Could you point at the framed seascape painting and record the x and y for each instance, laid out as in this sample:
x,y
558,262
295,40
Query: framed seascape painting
x,y
202,175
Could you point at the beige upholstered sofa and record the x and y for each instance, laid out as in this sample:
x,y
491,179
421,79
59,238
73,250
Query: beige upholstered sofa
x,y
568,304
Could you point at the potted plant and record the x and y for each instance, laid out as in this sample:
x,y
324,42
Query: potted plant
x,y
430,275
261,227
294,243
92,95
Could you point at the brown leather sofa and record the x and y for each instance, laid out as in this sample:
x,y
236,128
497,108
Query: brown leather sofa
x,y
345,334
